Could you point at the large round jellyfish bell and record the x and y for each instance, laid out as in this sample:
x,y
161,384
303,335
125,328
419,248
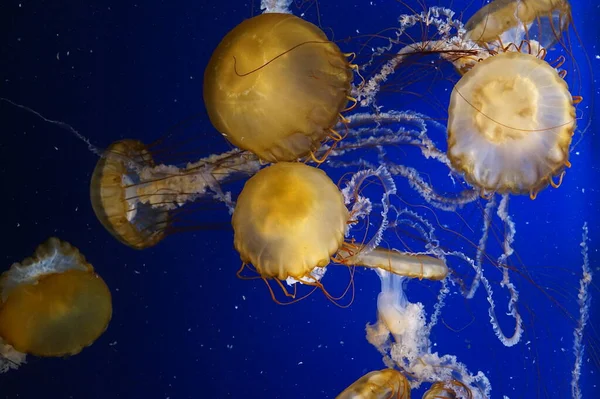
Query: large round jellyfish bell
x,y
276,85
290,219
53,303
511,120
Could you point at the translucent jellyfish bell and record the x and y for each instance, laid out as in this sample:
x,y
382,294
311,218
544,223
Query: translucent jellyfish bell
x,y
139,201
116,202
512,21
53,304
275,86
381,384
511,120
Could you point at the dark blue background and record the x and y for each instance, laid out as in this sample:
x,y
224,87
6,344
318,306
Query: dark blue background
x,y
184,326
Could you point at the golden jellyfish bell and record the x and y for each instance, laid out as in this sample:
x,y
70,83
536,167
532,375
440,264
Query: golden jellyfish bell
x,y
511,120
448,390
516,20
275,86
115,201
381,384
289,219
53,304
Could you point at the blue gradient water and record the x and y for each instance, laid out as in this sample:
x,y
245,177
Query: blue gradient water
x,y
184,326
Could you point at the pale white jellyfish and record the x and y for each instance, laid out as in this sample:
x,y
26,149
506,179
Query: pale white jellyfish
x,y
401,334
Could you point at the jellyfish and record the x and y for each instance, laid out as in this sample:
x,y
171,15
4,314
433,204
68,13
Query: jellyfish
x,y
53,304
448,390
276,85
511,21
510,128
136,199
381,384
290,219
401,335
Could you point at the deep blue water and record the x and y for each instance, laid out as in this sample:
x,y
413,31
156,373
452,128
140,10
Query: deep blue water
x,y
184,326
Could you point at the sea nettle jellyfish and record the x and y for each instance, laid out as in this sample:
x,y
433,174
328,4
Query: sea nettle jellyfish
x,y
511,116
511,119
53,304
291,219
502,22
381,384
276,85
139,202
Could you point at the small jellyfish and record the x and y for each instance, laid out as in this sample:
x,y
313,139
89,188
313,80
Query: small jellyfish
x,y
53,303
276,85
116,203
452,389
290,218
381,384
512,21
139,201
511,120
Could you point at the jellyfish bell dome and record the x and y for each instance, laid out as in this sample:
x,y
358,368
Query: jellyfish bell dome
x,y
509,128
53,303
275,86
380,384
514,20
289,219
115,201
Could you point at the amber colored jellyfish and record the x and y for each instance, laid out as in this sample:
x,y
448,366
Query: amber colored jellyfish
x,y
290,218
511,21
135,199
276,85
114,200
448,390
53,303
511,121
381,384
